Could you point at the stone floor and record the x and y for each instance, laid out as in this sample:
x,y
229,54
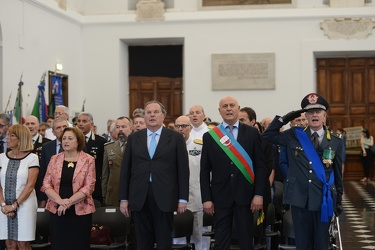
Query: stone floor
x,y
357,222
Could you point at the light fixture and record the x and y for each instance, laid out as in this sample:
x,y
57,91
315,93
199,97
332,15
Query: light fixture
x,y
59,66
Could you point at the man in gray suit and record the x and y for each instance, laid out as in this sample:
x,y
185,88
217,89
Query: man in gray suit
x,y
154,180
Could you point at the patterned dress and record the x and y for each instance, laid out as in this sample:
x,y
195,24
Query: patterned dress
x,y
13,179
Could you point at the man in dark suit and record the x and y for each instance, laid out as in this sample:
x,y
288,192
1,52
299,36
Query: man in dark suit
x,y
33,124
49,149
313,186
94,147
154,179
232,191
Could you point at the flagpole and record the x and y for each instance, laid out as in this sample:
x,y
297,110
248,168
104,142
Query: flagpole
x,y
83,105
8,102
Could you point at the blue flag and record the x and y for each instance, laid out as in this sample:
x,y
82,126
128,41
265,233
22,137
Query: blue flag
x,y
40,108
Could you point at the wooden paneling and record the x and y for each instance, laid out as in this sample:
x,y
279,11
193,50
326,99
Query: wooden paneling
x,y
349,86
166,90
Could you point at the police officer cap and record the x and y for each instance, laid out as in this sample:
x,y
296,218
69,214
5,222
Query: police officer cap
x,y
314,101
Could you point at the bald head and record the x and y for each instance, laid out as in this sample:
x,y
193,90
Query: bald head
x,y
229,109
183,126
196,115
32,123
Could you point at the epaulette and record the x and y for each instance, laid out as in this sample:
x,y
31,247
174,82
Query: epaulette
x,y
335,134
198,141
107,143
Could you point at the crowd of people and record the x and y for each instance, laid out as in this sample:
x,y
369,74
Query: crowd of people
x,y
150,170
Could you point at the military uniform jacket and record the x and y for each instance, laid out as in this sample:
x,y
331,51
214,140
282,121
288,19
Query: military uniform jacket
x,y
95,148
111,173
38,145
302,187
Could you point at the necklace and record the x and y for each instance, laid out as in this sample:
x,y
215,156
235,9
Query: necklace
x,y
71,163
14,154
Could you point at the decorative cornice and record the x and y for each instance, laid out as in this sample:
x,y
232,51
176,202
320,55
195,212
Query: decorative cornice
x,y
347,28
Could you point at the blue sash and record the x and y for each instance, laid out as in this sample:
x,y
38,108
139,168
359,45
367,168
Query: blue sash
x,y
312,156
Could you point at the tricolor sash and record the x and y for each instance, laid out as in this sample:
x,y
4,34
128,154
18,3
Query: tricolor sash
x,y
234,151
312,156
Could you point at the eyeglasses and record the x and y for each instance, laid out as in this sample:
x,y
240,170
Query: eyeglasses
x,y
59,113
182,125
3,125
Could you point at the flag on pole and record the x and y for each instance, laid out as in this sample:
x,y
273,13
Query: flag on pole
x,y
40,108
52,106
83,106
18,105
10,114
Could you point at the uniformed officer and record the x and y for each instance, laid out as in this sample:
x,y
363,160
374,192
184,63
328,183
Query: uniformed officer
x,y
313,186
113,153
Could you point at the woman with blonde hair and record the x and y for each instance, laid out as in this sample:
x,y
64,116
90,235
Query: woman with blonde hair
x,y
69,183
18,174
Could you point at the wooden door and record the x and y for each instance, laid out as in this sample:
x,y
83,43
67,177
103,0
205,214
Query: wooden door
x,y
166,90
349,86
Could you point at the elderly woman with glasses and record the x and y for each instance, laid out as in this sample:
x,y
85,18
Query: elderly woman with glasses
x,y
18,173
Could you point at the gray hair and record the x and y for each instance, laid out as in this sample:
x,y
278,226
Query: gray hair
x,y
5,117
89,115
66,109
138,110
163,110
60,119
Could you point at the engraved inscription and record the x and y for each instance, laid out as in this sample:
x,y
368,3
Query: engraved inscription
x,y
243,71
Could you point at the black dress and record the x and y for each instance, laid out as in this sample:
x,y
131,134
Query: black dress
x,y
69,231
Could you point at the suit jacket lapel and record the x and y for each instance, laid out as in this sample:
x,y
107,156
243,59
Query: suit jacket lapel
x,y
325,142
79,165
241,131
142,142
163,140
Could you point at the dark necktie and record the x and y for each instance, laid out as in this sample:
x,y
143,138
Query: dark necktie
x,y
1,146
60,148
315,140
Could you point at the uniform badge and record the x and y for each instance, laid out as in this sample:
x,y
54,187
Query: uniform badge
x,y
328,155
194,152
312,98
225,140
198,141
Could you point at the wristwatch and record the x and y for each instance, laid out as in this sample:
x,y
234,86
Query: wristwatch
x,y
3,203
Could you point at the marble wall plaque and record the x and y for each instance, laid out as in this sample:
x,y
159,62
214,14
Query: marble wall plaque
x,y
243,71
347,28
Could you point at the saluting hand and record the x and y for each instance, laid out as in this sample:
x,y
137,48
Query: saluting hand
x,y
292,115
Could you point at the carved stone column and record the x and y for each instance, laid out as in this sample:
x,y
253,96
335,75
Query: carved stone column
x,y
150,10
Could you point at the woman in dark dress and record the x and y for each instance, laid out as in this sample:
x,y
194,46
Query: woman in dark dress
x,y
69,183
